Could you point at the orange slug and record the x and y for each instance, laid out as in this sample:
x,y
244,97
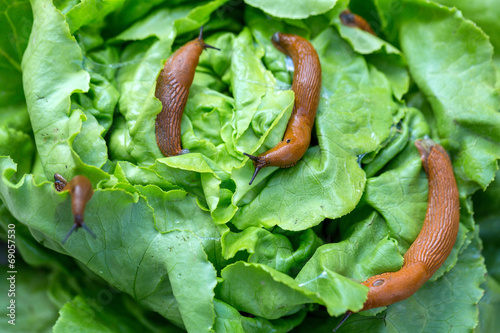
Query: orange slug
x,y
80,189
306,86
355,21
435,240
172,89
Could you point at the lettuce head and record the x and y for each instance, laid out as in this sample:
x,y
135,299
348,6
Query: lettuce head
x,y
184,243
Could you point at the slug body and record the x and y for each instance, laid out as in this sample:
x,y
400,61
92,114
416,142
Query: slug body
x,y
80,189
355,21
172,89
435,240
306,86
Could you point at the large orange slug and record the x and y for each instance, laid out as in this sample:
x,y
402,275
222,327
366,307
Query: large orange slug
x,y
435,240
172,89
306,86
80,189
355,21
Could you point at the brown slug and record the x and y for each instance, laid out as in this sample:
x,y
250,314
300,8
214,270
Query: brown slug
x,y
435,240
355,21
306,86
80,189
172,89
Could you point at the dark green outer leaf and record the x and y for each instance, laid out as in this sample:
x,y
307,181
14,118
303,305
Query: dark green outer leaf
x,y
16,20
34,311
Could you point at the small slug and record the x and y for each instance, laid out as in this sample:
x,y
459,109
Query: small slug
x,y
355,21
80,189
172,89
435,240
306,86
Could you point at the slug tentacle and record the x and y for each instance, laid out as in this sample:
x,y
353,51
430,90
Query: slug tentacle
x,y
205,45
259,163
75,227
344,318
306,86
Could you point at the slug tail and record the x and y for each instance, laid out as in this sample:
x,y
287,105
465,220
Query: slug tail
x,y
59,182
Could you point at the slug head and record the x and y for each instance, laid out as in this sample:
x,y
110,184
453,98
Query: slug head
x,y
347,18
425,148
278,39
389,288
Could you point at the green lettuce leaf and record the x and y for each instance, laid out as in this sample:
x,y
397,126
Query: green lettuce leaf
x,y
275,250
293,10
446,306
90,12
467,117
48,85
483,13
108,258
262,291
230,320
184,243
341,138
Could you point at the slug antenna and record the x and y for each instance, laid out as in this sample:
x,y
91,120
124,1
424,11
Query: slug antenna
x,y
205,46
347,314
200,36
257,169
259,164
210,47
73,228
84,226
